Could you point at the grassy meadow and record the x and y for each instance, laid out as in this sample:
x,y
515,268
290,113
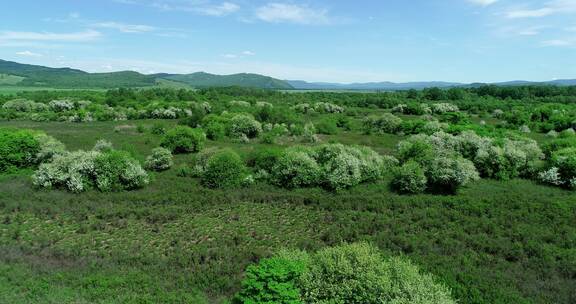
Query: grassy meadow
x,y
178,242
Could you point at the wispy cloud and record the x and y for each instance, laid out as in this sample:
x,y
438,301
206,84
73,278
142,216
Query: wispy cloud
x,y
560,42
239,55
483,2
548,9
203,7
223,9
125,28
29,54
292,13
88,35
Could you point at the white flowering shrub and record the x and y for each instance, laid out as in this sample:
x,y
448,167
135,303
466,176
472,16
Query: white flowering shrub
x,y
239,103
552,134
24,105
302,108
498,113
524,129
80,170
386,123
447,174
49,147
469,143
551,177
263,104
441,108
400,108
161,159
565,161
326,107
309,134
244,125
103,145
73,171
167,113
61,105
568,133
409,178
433,126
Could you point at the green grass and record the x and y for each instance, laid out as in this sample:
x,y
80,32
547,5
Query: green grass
x,y
6,79
494,242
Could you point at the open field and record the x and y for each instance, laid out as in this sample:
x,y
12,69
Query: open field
x,y
493,242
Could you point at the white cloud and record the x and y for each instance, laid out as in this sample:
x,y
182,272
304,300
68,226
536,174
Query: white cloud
x,y
548,9
29,54
559,42
125,28
483,2
88,35
223,9
248,53
230,56
203,7
291,13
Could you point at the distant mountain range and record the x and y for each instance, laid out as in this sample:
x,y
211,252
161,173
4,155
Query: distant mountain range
x,y
391,86
17,74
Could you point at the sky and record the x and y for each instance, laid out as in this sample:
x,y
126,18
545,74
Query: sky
x,y
321,40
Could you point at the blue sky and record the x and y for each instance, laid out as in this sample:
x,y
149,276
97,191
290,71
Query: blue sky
x,y
321,40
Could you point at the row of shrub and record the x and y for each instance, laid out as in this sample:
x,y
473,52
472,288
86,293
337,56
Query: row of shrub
x,y
351,274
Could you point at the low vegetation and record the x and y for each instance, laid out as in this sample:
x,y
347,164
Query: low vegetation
x,y
253,196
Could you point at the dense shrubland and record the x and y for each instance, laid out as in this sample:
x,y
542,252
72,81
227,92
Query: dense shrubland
x,y
355,274
240,168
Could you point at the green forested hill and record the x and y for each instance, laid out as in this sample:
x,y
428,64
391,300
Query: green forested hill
x,y
202,79
34,75
39,76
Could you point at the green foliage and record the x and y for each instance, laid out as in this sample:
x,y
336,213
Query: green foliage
x,y
359,274
117,170
243,125
296,169
447,174
264,158
386,123
182,139
327,126
159,160
272,281
18,149
409,178
80,170
224,169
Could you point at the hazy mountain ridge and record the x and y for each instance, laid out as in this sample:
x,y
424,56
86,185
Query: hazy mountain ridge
x,y
17,74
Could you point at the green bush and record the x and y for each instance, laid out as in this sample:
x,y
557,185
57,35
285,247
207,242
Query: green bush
x,y
351,274
296,169
224,169
565,161
386,123
273,280
447,174
215,130
264,159
159,160
117,170
18,149
327,126
81,170
359,274
409,178
244,125
184,139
